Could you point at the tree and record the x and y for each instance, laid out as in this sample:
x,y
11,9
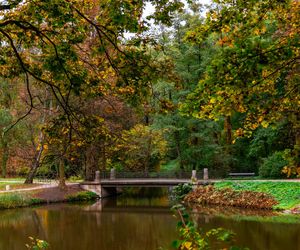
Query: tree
x,y
255,70
76,48
141,148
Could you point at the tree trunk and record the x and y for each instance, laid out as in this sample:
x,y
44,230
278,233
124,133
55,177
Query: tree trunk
x,y
34,166
228,130
62,178
5,154
37,157
178,149
92,158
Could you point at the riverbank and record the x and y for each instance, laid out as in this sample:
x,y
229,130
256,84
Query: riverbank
x,y
48,194
249,194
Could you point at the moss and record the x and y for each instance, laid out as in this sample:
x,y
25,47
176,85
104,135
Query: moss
x,y
82,196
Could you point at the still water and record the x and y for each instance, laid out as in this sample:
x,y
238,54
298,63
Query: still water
x,y
134,224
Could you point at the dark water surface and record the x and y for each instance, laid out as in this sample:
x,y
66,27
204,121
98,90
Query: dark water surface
x,y
132,224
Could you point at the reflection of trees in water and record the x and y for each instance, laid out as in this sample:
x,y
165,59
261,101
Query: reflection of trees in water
x,y
79,228
17,225
113,226
110,230
255,234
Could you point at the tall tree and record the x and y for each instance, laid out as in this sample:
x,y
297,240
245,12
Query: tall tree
x,y
255,70
76,48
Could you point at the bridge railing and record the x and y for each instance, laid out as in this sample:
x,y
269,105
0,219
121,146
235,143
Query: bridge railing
x,y
144,174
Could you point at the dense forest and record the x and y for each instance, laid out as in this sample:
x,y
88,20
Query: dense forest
x,y
92,85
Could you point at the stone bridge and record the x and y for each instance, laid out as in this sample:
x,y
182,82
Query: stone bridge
x,y
108,184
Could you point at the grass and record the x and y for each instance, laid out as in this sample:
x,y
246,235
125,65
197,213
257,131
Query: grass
x,y
286,193
13,200
169,166
82,196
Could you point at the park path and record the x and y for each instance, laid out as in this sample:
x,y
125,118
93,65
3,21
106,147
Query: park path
x,y
41,187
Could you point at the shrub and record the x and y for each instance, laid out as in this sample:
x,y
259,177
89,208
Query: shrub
x,y
181,190
192,237
272,166
37,244
23,171
82,196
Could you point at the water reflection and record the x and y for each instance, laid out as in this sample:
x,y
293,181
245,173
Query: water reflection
x,y
98,226
135,224
255,229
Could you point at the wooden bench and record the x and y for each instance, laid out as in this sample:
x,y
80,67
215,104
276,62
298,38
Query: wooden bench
x,y
241,174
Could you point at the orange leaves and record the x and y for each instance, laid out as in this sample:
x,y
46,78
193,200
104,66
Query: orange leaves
x,y
230,197
291,171
225,41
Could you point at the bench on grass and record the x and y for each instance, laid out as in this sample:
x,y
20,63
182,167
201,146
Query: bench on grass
x,y
241,174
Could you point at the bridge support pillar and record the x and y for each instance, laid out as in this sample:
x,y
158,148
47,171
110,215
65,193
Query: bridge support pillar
x,y
205,174
98,189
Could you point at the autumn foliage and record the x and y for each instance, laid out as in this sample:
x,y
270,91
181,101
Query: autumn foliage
x,y
230,197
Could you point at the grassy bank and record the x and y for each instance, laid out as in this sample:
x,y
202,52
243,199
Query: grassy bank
x,y
286,193
13,200
18,199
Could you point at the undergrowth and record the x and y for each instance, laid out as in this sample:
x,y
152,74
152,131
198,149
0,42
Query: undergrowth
x,y
286,193
82,196
230,197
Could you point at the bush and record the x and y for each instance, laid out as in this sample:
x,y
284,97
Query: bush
x,y
181,190
37,244
272,166
23,171
82,196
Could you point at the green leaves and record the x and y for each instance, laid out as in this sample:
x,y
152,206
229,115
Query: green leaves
x,y
250,61
37,244
192,237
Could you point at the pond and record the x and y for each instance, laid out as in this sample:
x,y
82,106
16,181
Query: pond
x,y
135,224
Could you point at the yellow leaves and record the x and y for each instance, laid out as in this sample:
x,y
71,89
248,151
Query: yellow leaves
x,y
240,108
289,171
225,29
264,124
239,132
254,126
256,32
260,31
265,73
213,100
126,90
65,131
187,245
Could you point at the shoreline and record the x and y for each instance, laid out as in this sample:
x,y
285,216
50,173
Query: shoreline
x,y
44,195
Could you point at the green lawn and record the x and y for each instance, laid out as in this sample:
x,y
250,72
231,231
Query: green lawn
x,y
286,193
13,200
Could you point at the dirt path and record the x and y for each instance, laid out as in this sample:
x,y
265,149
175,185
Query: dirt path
x,y
44,186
